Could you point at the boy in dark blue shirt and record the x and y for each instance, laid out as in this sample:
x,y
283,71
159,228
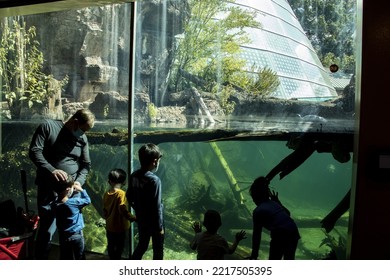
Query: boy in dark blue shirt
x,y
144,195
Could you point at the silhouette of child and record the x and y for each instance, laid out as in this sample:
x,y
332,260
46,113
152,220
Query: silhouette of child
x,y
272,215
209,244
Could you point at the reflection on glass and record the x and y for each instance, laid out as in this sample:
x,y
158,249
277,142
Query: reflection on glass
x,y
236,73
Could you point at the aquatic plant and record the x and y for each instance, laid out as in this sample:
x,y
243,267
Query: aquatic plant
x,y
337,244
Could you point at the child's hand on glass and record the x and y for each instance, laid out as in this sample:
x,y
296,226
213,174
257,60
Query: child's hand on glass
x,y
196,227
240,235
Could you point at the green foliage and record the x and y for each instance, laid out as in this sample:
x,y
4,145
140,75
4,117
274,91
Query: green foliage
x,y
267,82
330,27
330,59
209,48
22,81
11,162
152,110
210,51
337,243
263,82
226,105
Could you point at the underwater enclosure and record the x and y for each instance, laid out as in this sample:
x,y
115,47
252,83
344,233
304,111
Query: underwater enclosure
x,y
197,176
218,125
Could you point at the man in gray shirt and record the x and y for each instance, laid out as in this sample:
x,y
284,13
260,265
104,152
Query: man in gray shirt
x,y
58,149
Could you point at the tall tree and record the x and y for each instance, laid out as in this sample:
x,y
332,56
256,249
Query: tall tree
x,y
22,81
330,26
210,44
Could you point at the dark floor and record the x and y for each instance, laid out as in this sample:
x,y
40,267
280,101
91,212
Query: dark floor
x,y
55,254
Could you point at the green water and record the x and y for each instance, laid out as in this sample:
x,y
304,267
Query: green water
x,y
194,180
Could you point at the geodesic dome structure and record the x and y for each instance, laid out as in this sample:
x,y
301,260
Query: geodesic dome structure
x,y
281,45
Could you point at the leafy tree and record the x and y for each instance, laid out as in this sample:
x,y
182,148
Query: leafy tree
x,y
329,25
210,46
22,81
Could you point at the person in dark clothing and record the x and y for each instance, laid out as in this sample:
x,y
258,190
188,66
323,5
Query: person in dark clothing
x,y
144,196
72,198
272,215
209,244
58,149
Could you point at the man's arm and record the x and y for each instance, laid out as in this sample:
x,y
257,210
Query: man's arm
x,y
85,165
36,148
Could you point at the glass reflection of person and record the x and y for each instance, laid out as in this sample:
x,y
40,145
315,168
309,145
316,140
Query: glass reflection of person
x,y
144,196
272,215
58,148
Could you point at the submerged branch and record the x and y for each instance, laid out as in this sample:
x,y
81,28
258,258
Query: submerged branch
x,y
208,135
164,136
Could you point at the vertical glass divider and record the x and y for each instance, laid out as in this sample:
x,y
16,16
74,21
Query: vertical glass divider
x,y
131,108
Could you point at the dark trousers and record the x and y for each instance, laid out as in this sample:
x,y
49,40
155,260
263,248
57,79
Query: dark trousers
x,y
72,246
47,225
283,248
115,244
145,233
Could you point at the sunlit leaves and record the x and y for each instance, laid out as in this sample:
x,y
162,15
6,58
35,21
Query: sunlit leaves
x,y
22,79
263,81
330,27
211,41
209,49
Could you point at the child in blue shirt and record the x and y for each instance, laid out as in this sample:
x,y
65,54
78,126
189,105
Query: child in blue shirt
x,y
69,219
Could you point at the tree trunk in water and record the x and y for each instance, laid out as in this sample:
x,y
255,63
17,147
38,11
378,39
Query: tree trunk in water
x,y
232,180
